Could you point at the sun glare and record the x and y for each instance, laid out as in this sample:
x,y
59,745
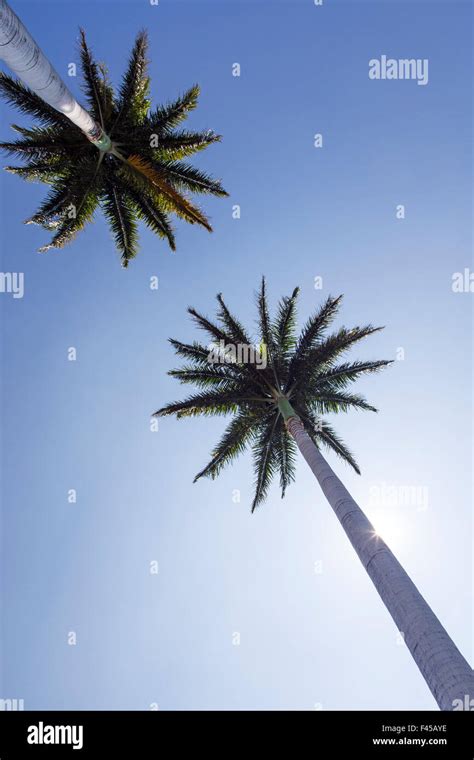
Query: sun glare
x,y
389,526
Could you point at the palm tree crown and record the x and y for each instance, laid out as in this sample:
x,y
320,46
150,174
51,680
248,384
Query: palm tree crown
x,y
142,176
304,372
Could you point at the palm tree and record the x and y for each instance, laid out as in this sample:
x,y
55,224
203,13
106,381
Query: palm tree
x,y
278,402
124,157
19,50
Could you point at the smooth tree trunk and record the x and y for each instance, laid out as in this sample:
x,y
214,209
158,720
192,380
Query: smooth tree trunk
x,y
19,50
445,670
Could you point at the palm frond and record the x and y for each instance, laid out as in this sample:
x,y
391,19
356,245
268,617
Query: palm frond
x,y
147,208
53,206
235,438
270,345
264,319
156,176
334,345
44,144
211,375
168,117
177,145
133,93
283,329
73,221
92,80
213,330
285,322
233,327
119,213
83,199
220,402
157,221
265,459
30,104
285,449
195,351
331,440
343,374
328,400
186,177
312,332
64,205
41,171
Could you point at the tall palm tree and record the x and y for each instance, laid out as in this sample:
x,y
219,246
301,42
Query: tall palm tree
x,y
122,156
278,402
19,50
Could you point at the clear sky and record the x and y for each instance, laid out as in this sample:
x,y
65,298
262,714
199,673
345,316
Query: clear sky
x,y
313,631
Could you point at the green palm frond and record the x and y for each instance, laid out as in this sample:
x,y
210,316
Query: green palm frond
x,y
312,333
186,177
42,171
180,144
283,329
235,439
322,357
285,323
334,443
27,102
337,401
341,375
234,329
147,210
265,459
194,351
53,206
321,432
219,402
68,205
151,176
120,214
47,143
133,101
214,331
74,220
235,334
211,375
168,117
264,320
93,85
305,366
285,448
141,178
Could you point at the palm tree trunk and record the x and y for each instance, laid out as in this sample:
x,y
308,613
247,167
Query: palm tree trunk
x,y
19,50
447,673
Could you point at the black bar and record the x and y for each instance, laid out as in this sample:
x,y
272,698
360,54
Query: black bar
x,y
323,733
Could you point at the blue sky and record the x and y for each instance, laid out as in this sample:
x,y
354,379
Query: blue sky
x,y
306,638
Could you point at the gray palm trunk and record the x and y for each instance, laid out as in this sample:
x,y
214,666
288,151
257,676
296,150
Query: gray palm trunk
x,y
21,53
445,670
